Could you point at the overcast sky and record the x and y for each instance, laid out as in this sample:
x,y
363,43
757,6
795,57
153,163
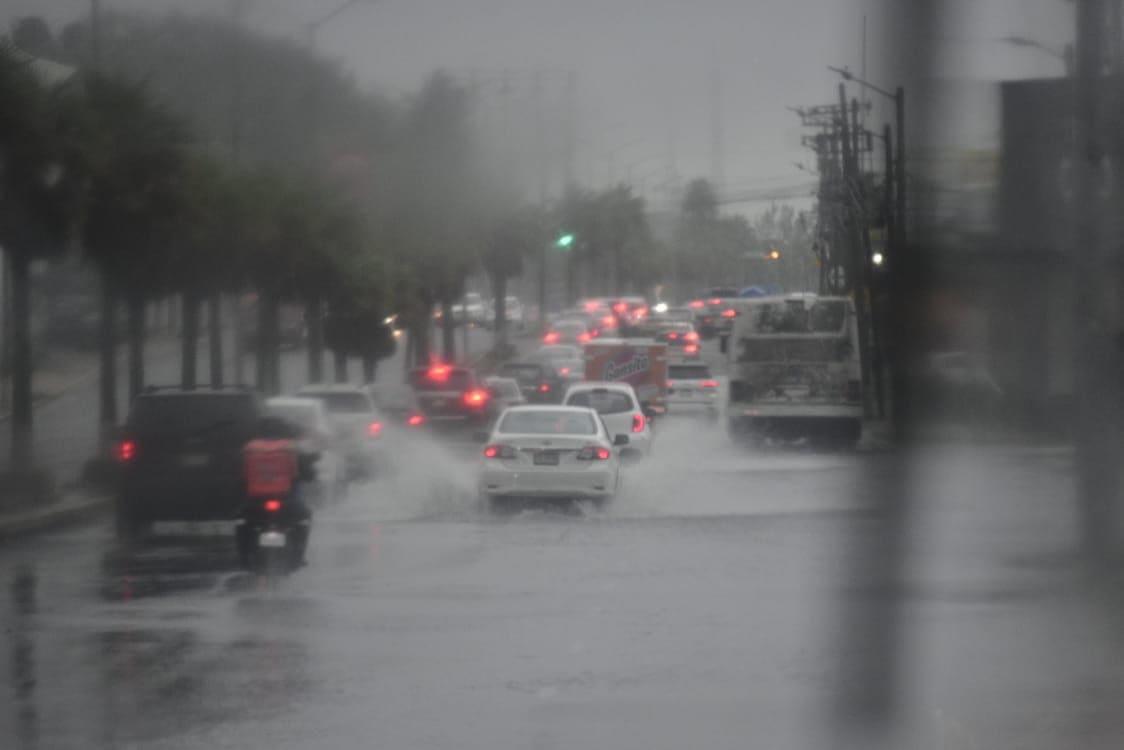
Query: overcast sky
x,y
648,72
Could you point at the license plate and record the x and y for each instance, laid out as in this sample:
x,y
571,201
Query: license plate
x,y
195,459
271,539
546,458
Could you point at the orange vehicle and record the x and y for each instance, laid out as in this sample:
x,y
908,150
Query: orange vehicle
x,y
640,362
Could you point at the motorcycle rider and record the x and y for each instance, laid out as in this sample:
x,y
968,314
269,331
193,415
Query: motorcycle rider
x,y
273,468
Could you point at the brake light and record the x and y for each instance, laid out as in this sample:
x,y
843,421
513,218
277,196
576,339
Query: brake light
x,y
544,387
672,336
709,384
583,338
691,336
272,506
563,370
499,451
620,307
374,429
729,312
591,306
691,349
638,422
594,453
696,304
476,397
550,338
641,312
670,384
415,420
715,301
609,321
438,372
126,451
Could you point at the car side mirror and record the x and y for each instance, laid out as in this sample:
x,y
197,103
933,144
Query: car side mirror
x,y
619,440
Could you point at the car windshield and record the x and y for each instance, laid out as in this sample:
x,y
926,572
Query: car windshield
x,y
603,401
340,402
550,353
688,372
303,415
554,422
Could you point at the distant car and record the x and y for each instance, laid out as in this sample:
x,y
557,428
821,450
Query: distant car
x,y
317,436
505,392
452,398
618,406
552,452
569,371
180,454
538,381
691,390
513,313
399,404
358,425
568,332
714,313
555,352
681,338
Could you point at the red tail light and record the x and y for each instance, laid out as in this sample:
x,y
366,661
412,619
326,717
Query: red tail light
x,y
415,420
499,451
476,397
591,306
594,453
438,372
672,336
272,506
709,384
729,312
374,429
691,336
583,338
638,422
550,338
126,451
563,370
620,307
696,304
641,312
691,349
671,384
609,321
544,387
715,301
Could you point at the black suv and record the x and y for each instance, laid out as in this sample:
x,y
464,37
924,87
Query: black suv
x,y
181,456
452,398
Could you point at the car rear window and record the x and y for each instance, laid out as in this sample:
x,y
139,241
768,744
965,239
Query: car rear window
x,y
303,415
547,423
341,403
603,401
688,372
394,398
194,414
454,380
522,373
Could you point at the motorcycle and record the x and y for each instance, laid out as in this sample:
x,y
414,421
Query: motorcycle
x,y
273,527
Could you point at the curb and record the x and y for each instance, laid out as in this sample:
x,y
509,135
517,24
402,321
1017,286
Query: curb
x,y
66,512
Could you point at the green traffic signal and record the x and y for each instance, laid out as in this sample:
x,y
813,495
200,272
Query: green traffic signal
x,y
564,241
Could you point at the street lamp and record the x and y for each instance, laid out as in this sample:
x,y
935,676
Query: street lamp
x,y
1065,55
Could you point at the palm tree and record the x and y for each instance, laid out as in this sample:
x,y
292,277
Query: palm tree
x,y
38,208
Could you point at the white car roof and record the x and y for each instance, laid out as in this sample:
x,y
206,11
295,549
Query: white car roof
x,y
294,402
332,388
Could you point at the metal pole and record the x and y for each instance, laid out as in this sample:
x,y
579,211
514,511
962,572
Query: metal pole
x,y
901,223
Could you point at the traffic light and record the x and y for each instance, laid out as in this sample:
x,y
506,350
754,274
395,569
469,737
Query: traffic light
x,y
564,241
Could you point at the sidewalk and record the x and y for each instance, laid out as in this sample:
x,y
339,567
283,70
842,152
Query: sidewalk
x,y
75,506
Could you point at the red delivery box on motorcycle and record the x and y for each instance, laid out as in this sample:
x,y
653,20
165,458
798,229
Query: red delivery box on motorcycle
x,y
270,466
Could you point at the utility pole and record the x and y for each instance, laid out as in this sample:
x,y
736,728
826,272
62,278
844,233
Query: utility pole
x,y
237,13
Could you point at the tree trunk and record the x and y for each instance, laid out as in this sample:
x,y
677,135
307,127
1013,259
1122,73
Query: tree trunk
x,y
448,332
107,351
136,327
189,340
370,368
339,358
214,337
499,307
314,319
21,360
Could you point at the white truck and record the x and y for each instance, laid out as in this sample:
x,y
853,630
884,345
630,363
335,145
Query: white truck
x,y
795,371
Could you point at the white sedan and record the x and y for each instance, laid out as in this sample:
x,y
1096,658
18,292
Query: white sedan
x,y
619,408
550,452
